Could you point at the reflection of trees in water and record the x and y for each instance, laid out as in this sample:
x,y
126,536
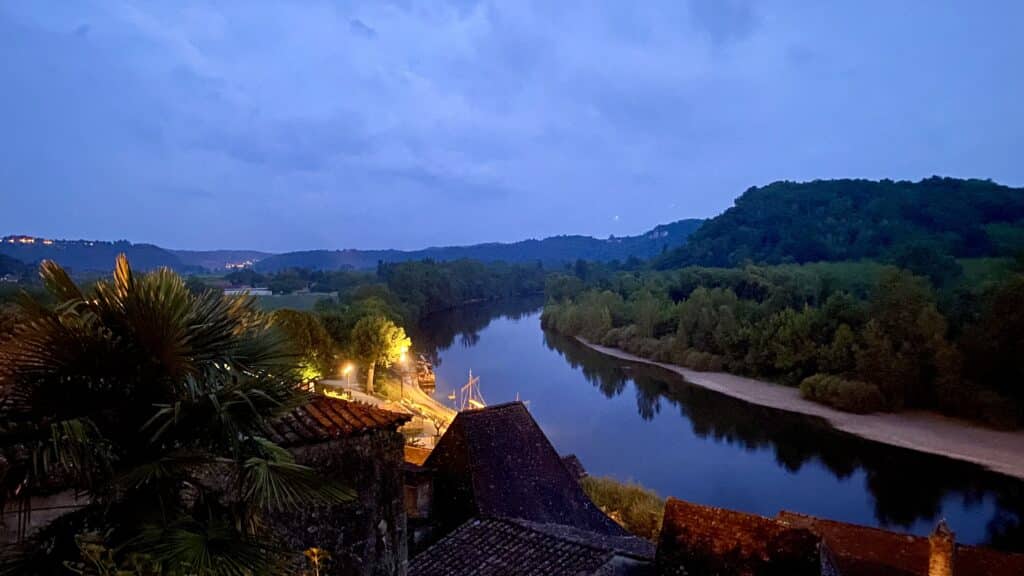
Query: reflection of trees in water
x,y
907,486
439,331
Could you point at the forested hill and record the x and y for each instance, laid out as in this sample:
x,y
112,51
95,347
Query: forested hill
x,y
855,219
550,251
9,265
87,255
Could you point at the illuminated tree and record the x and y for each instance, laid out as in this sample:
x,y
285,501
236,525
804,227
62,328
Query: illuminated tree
x,y
378,341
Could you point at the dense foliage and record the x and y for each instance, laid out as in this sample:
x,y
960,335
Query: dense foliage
x,y
377,341
152,402
860,336
917,225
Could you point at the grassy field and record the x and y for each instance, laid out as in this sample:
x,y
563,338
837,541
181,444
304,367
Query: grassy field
x,y
290,301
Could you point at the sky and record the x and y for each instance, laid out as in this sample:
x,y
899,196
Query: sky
x,y
403,124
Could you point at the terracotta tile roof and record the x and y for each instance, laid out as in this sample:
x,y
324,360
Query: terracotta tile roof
x,y
496,462
706,540
866,551
493,547
325,419
416,455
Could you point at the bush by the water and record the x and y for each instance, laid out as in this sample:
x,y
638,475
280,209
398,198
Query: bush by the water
x,y
847,395
636,508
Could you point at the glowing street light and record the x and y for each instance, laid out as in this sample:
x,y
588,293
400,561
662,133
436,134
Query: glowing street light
x,y
347,371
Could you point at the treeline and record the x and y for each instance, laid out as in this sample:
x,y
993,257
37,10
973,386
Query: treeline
x,y
423,286
551,252
364,316
860,336
900,222
367,305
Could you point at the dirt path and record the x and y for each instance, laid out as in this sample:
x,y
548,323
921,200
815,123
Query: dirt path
x,y
1002,452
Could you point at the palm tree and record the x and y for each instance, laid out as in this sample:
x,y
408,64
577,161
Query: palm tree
x,y
152,402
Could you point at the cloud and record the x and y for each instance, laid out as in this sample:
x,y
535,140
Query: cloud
x,y
280,126
725,21
360,28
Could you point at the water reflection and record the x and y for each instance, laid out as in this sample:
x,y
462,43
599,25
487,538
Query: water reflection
x,y
739,456
907,486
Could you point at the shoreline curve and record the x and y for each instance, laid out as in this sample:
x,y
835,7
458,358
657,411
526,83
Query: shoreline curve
x,y
996,450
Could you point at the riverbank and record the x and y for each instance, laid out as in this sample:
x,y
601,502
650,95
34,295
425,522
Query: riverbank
x,y
996,450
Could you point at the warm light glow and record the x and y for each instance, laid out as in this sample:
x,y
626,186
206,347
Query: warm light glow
x,y
335,394
347,368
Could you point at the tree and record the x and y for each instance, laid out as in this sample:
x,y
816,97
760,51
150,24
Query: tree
x,y
904,342
377,340
152,401
310,340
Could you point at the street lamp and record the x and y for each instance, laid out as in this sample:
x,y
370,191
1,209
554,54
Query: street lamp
x,y
403,359
347,371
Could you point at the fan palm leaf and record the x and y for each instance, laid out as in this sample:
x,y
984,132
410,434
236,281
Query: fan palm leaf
x,y
155,400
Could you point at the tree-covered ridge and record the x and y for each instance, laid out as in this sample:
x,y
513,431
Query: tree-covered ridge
x,y
829,220
88,255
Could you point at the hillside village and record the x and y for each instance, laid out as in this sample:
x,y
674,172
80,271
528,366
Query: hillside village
x,y
493,497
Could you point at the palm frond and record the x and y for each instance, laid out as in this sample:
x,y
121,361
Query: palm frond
x,y
212,548
277,484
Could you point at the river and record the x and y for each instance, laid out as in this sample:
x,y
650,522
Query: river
x,y
644,424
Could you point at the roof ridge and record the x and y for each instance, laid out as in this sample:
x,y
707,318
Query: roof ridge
x,y
779,518
533,527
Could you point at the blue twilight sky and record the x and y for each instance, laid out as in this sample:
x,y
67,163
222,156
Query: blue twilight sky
x,y
296,125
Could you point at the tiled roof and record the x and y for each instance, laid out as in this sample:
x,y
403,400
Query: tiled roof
x,y
706,540
496,462
493,547
865,551
416,455
325,419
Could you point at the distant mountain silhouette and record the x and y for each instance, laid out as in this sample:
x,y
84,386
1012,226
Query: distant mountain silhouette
x,y
87,255
219,259
9,265
550,251
82,256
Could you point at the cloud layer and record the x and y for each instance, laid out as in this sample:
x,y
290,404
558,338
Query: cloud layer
x,y
405,124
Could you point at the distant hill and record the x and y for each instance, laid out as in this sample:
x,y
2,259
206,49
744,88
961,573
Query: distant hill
x,y
87,255
855,219
550,251
217,260
9,265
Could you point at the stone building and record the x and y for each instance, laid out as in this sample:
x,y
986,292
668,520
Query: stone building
x,y
355,443
505,504
360,445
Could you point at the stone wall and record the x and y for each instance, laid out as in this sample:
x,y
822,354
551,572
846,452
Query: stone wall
x,y
368,536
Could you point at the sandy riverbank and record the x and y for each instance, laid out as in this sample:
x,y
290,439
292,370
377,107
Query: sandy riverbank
x,y
1002,452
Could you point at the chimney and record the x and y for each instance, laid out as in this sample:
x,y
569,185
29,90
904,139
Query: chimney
x,y
942,543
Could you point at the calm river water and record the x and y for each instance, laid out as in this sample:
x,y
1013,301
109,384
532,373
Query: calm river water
x,y
647,425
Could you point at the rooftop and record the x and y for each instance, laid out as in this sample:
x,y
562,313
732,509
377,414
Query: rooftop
x,y
501,547
865,551
496,462
324,419
707,540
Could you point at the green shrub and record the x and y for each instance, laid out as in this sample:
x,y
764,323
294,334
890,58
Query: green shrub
x,y
968,400
636,508
847,395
